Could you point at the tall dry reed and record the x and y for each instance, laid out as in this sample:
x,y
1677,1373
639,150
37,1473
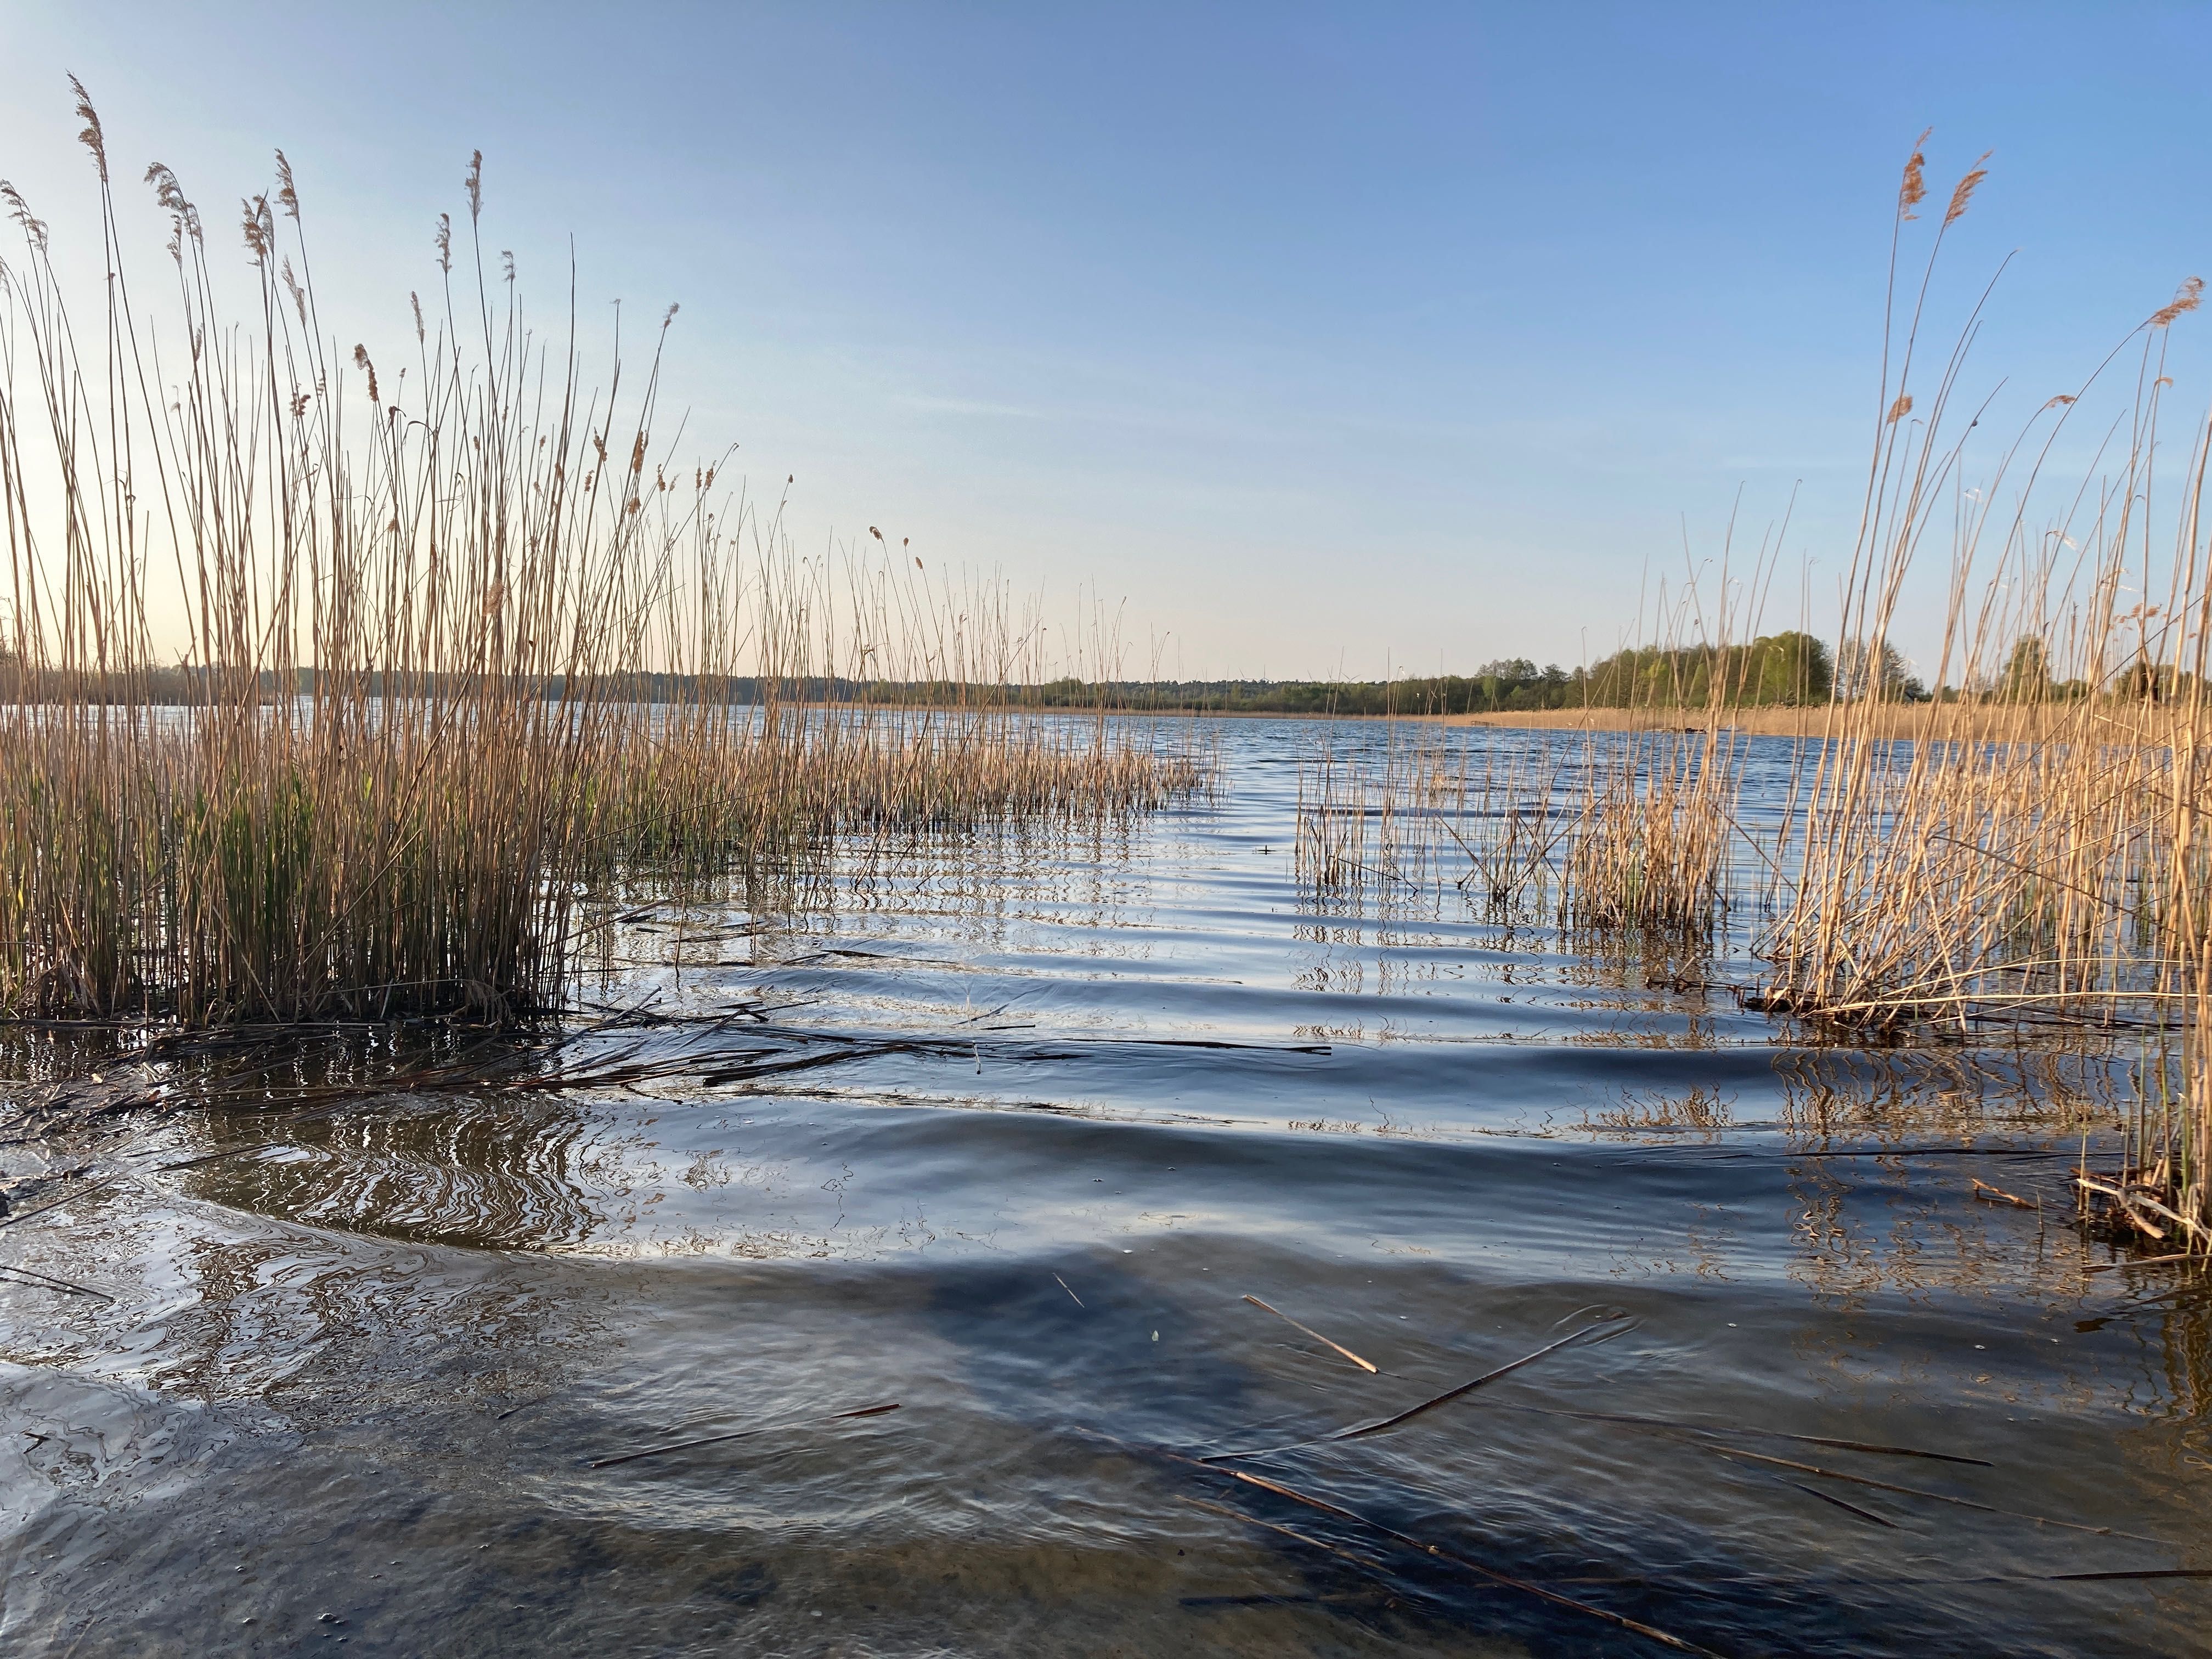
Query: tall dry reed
x,y
2032,850
334,681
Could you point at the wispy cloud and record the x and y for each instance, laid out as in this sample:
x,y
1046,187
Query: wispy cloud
x,y
968,406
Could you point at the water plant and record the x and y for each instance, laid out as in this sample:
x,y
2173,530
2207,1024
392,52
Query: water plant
x,y
2021,850
337,682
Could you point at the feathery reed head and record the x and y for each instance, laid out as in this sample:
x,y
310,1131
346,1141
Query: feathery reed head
x,y
1913,189
260,229
91,137
1963,191
33,229
184,217
2187,297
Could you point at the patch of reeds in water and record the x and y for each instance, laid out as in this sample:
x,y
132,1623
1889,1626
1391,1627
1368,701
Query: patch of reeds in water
x,y
1628,845
1649,847
2029,849
451,644
2033,850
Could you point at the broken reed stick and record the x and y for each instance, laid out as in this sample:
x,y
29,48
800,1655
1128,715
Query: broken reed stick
x,y
1990,1194
739,1434
1163,1454
1507,1580
1064,1285
1597,1333
1939,1497
2129,1200
2144,1261
215,1158
1634,1420
48,1282
10,1220
1853,1508
1364,1365
807,1063
1337,1550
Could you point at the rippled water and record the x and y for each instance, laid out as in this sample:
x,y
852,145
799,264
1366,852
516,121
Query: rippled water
x,y
357,1376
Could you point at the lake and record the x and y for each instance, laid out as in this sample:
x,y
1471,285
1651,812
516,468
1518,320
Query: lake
x,y
592,1347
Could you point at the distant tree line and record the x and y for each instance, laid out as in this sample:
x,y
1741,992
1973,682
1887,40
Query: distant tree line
x,y
1775,669
1789,669
1511,682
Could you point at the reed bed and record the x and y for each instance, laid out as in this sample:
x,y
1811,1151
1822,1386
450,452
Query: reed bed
x,y
1650,846
1507,823
2049,866
1598,836
2026,850
336,683
1367,822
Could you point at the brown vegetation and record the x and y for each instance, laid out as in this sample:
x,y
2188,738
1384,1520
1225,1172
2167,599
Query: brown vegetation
x,y
466,562
2030,849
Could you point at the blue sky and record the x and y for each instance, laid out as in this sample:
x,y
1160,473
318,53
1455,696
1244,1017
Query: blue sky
x,y
1329,338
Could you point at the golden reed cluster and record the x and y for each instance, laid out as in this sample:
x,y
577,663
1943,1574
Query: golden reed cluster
x,y
335,687
2028,847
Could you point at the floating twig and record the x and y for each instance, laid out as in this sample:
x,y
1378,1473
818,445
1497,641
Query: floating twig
x,y
1210,1042
1071,1296
1990,1194
1476,1567
1597,1333
1364,1365
48,1282
1600,1332
55,1204
1634,1420
216,1157
1223,1511
809,1062
1939,1497
1853,1508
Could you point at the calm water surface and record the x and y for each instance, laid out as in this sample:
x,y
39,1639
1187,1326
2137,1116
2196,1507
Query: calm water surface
x,y
356,1377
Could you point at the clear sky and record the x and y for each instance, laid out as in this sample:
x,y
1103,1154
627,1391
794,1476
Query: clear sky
x,y
1329,338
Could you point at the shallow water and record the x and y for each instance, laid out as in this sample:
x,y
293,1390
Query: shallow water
x,y
357,1376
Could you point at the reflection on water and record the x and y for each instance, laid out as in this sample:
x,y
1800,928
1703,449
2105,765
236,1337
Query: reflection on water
x,y
357,1370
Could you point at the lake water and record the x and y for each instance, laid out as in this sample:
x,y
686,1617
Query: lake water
x,y
378,1377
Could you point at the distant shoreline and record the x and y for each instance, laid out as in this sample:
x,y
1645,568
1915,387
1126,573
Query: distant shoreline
x,y
1892,720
